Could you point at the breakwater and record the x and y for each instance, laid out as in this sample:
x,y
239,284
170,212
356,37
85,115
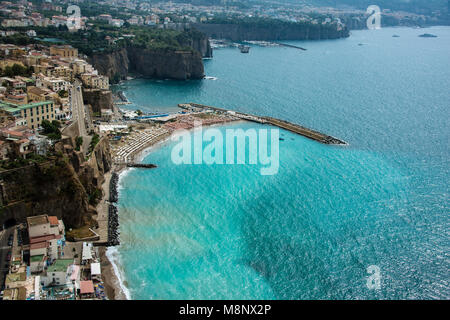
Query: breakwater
x,y
113,214
290,46
141,165
295,128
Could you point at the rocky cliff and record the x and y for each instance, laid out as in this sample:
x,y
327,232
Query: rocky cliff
x,y
113,65
179,65
241,32
150,63
156,63
64,186
98,99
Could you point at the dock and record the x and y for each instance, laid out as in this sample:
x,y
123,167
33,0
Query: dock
x,y
142,165
286,125
290,46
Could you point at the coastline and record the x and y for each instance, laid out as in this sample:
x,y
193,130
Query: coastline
x,y
114,287
111,282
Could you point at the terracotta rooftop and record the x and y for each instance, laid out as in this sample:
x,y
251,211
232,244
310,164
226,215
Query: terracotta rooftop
x,y
39,245
53,220
86,287
44,238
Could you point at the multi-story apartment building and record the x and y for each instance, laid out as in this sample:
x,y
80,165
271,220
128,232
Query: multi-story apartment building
x,y
36,94
64,51
46,241
33,113
95,81
54,84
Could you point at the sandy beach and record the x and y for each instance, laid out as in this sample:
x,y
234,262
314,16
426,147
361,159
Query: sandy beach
x,y
140,150
111,282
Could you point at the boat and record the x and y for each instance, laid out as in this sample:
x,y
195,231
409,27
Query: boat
x,y
244,49
428,35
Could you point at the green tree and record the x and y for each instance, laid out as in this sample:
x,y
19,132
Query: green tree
x,y
79,142
51,129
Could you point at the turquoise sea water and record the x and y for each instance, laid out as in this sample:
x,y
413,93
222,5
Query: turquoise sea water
x,y
312,230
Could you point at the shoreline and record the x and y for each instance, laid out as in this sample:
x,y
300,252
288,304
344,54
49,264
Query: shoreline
x,y
113,280
110,269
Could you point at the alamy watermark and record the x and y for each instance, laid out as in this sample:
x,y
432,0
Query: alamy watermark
x,y
374,278
374,20
210,146
74,19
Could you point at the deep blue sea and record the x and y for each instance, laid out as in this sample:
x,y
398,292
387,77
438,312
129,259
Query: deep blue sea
x,y
312,230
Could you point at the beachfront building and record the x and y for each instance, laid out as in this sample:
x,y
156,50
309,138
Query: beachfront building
x,y
86,254
96,273
47,241
63,272
33,113
87,289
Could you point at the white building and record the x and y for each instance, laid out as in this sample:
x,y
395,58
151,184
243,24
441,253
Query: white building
x,y
53,84
62,272
47,241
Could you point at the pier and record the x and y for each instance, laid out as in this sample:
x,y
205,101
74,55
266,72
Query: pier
x,y
290,46
141,165
286,125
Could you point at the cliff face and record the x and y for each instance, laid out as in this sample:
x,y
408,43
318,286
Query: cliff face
x,y
179,65
202,45
61,187
157,64
98,99
111,64
52,189
241,32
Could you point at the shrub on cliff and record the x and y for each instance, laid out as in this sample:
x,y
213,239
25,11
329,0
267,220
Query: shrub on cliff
x,y
95,140
79,142
51,129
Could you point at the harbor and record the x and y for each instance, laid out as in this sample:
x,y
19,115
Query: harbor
x,y
286,125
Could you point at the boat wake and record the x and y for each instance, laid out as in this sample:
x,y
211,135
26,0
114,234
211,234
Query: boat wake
x,y
210,78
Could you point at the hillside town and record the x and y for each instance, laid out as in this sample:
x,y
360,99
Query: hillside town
x,y
30,98
176,15
59,109
35,96
41,107
43,266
